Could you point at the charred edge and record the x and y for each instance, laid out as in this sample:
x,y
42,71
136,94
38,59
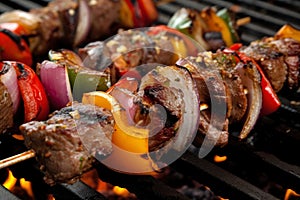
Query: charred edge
x,y
16,38
4,68
22,70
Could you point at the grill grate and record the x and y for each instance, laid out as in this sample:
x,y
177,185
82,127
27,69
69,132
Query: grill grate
x,y
269,149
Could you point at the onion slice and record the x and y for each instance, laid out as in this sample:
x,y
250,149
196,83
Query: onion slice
x,y
251,80
84,23
178,78
8,77
55,79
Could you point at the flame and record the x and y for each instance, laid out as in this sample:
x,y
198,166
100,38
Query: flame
x,y
220,158
290,193
10,182
18,136
102,186
50,197
120,191
26,185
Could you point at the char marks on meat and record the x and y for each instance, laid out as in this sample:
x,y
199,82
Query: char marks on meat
x,y
58,23
154,91
219,82
67,142
279,59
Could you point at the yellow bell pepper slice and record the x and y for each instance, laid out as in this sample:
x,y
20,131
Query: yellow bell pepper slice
x,y
126,136
216,23
288,31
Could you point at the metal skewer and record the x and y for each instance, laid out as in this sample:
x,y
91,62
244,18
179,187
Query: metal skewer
x,y
17,158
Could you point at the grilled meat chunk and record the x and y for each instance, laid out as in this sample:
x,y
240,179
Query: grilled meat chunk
x,y
67,23
279,59
152,92
219,84
67,142
129,49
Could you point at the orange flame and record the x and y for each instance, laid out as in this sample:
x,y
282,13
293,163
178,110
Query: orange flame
x,y
10,182
26,185
18,136
220,158
120,191
290,193
50,197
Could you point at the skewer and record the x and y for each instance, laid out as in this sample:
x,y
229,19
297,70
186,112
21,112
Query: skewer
x,y
17,158
243,21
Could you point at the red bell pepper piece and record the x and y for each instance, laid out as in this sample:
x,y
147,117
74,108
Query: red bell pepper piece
x,y
270,100
148,12
12,45
36,105
138,13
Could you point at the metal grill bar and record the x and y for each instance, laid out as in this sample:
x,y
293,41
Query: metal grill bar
x,y
76,191
23,5
6,194
220,181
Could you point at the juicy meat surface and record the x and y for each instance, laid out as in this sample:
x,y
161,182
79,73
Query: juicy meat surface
x,y
291,49
219,86
155,92
279,59
67,142
59,22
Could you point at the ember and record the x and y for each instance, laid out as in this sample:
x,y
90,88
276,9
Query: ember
x,y
20,187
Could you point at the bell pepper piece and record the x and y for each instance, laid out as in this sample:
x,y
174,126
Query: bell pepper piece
x,y
270,99
288,31
36,105
127,137
81,79
14,47
216,23
148,11
86,80
127,14
225,15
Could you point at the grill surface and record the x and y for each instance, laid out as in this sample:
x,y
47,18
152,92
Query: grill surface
x,y
270,148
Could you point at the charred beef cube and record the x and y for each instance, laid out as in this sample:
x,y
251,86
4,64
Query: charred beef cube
x,y
279,59
67,142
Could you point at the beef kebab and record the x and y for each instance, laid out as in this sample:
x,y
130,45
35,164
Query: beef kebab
x,y
69,142
224,77
69,23
242,93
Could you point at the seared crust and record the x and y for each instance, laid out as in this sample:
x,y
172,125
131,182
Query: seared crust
x,y
279,59
66,144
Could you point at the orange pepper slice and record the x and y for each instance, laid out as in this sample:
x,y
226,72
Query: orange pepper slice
x,y
127,137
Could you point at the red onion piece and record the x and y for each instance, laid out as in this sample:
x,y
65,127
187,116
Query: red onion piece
x,y
55,79
84,23
8,77
251,80
123,91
